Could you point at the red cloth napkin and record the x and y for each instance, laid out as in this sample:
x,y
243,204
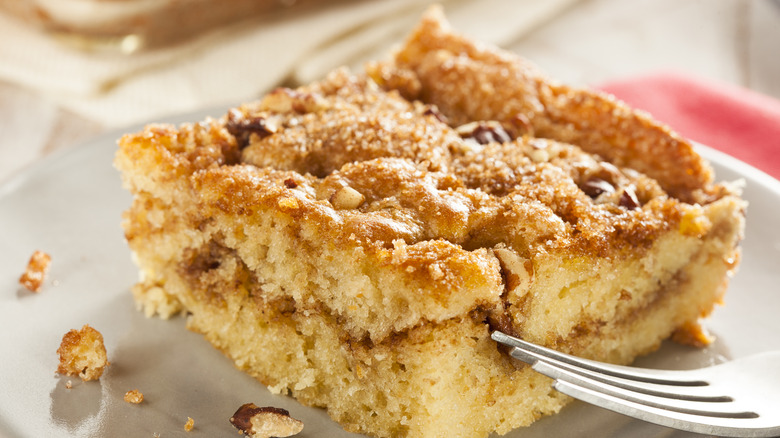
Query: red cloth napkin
x,y
734,120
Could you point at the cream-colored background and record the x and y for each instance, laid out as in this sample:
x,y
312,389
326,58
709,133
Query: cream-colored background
x,y
52,97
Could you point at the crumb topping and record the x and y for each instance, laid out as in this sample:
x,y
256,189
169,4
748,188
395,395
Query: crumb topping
x,y
361,151
378,163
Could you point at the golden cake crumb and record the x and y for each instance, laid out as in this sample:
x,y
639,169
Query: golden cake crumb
x,y
189,424
68,384
265,422
35,274
82,353
134,396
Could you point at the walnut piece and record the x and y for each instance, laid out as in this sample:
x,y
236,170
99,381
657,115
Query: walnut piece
x,y
265,422
82,353
35,273
134,396
484,132
347,198
242,127
286,100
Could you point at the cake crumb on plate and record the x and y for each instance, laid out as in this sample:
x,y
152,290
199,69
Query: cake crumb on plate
x,y
134,396
35,274
82,353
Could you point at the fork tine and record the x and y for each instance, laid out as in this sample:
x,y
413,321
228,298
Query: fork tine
x,y
557,369
677,399
720,426
667,401
676,378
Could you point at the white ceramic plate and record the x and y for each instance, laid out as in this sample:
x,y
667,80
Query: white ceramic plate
x,y
70,204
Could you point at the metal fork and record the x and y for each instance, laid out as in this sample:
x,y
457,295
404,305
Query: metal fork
x,y
740,398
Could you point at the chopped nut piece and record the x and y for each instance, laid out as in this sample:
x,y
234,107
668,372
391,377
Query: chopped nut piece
x,y
242,127
189,424
522,124
484,132
134,396
82,354
265,422
539,155
37,267
285,100
514,267
432,110
596,186
628,199
347,198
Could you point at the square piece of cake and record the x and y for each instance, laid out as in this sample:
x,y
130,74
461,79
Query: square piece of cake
x,y
355,241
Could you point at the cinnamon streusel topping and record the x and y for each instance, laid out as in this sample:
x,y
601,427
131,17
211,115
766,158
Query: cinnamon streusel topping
x,y
354,151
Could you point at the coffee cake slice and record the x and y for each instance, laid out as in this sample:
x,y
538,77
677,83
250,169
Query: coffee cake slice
x,y
355,241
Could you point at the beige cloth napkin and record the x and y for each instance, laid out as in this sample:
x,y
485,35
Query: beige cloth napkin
x,y
240,62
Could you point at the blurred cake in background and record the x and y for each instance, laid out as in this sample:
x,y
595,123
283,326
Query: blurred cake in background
x,y
129,25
